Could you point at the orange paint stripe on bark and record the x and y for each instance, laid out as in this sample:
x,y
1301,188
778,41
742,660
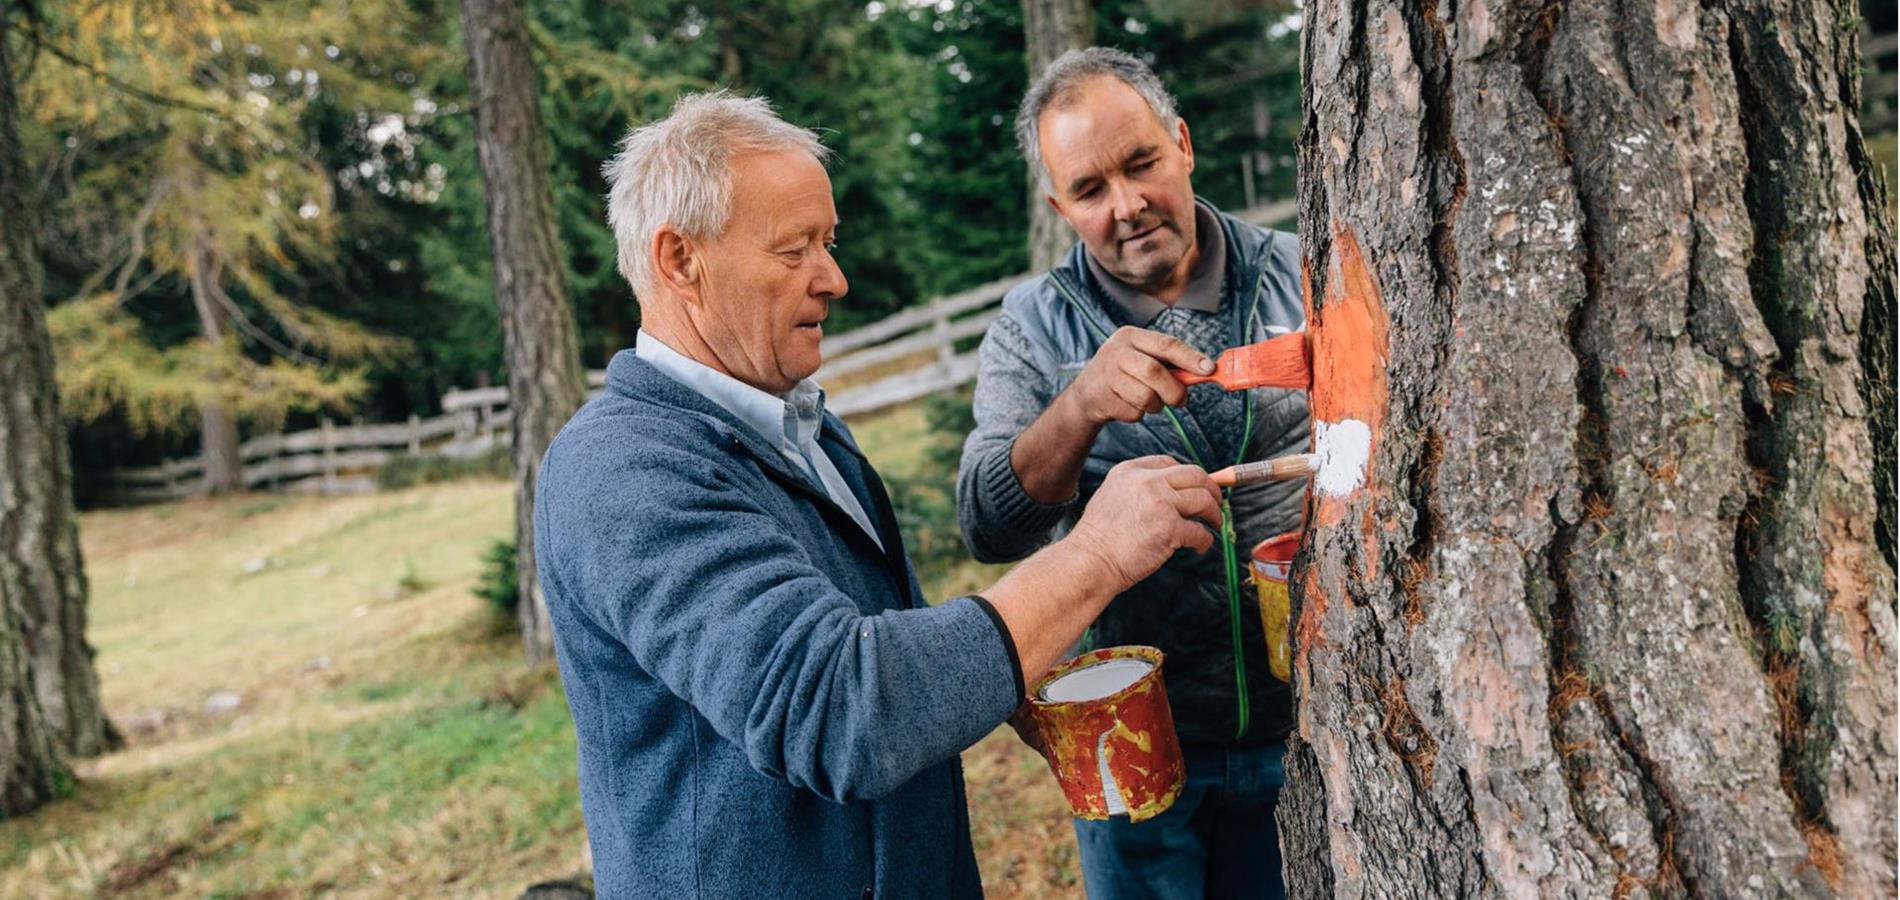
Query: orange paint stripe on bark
x,y
1348,342
1349,345
1348,339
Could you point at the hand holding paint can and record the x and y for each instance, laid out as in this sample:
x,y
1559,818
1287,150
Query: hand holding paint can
x,y
1108,733
1272,562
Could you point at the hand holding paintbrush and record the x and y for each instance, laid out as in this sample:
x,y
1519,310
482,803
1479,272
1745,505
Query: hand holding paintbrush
x,y
1276,362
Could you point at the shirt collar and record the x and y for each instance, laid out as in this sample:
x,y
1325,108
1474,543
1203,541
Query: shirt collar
x,y
790,422
1203,292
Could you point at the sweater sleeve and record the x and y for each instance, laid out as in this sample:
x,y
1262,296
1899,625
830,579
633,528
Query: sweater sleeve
x,y
999,520
712,596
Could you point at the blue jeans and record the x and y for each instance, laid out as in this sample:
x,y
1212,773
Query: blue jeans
x,y
1218,840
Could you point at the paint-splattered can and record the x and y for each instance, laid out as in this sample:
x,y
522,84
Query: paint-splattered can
x,y
1272,560
1108,733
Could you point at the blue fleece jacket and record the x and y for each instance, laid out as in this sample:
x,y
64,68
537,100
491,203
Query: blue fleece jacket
x,y
765,705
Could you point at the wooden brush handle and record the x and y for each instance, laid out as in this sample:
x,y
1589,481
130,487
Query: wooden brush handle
x,y
1191,378
1283,468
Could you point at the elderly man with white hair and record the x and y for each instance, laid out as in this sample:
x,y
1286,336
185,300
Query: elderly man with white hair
x,y
766,705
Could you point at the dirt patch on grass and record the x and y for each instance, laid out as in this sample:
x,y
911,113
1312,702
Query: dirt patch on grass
x,y
132,874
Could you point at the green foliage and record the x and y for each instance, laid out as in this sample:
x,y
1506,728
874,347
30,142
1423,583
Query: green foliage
x,y
409,471
964,180
106,366
63,781
318,161
189,180
498,583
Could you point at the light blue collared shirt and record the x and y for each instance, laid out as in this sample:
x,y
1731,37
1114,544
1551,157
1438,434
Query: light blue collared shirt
x,y
789,423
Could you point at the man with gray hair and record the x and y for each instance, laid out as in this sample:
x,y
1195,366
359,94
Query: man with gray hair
x,y
1074,378
764,703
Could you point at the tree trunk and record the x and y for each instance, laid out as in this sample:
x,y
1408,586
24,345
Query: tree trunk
x,y
38,551
545,380
217,426
1051,28
1601,295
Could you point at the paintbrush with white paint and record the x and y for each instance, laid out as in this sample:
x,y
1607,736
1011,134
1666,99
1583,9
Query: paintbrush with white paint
x,y
1284,468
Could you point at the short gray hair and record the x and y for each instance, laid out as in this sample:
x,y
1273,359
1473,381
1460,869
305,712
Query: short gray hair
x,y
1058,83
678,171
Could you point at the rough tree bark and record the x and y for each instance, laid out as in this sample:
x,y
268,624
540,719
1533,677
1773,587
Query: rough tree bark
x,y
545,381
1603,291
38,526
1051,28
33,494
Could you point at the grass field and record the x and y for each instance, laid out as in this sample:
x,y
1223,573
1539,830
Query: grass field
x,y
316,705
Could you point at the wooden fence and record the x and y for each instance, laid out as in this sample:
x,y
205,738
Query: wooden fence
x,y
905,356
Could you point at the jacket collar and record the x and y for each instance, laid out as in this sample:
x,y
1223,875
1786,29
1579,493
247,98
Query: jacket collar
x,y
1247,251
639,381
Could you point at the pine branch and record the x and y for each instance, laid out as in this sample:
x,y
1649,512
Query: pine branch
x,y
250,328
40,43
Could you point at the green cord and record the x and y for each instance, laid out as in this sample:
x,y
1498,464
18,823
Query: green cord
x,y
1233,599
1229,552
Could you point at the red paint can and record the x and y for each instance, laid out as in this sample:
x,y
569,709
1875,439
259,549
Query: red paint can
x,y
1108,733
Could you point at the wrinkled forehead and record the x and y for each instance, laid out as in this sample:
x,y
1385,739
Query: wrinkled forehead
x,y
1097,127
781,190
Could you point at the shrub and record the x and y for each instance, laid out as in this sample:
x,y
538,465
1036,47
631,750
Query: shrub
x,y
497,584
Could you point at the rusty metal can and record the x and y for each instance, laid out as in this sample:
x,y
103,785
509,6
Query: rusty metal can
x,y
1108,733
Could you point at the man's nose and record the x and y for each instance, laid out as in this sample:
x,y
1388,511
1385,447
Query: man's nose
x,y
830,283
1127,202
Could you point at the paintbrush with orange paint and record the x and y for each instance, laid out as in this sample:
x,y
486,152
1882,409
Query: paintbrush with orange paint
x,y
1279,362
1285,468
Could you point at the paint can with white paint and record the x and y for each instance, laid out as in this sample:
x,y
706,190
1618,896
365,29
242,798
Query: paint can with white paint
x,y
1108,734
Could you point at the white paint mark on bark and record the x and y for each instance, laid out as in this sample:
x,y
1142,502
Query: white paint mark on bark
x,y
1343,449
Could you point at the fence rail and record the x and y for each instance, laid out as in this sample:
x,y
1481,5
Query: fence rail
x,y
915,349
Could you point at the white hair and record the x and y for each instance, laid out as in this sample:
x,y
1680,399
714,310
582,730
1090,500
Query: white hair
x,y
678,171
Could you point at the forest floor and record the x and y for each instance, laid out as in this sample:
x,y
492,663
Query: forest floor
x,y
316,704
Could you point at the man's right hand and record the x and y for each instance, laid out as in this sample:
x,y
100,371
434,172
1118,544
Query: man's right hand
x,y
1146,509
1128,377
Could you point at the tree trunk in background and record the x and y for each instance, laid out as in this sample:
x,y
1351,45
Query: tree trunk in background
x,y
33,487
1603,294
545,380
217,426
1050,28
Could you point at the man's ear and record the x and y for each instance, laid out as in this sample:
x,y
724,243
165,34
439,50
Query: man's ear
x,y
1183,141
676,262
